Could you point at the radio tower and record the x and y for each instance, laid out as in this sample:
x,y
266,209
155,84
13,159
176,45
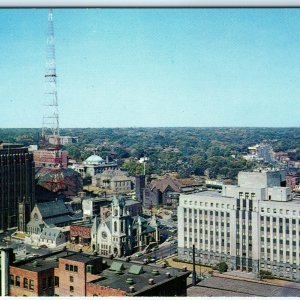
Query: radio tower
x,y
50,128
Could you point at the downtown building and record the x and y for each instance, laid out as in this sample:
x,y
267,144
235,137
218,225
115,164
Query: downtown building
x,y
253,226
17,186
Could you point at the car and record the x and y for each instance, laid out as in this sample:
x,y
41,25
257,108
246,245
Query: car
x,y
139,254
174,242
169,239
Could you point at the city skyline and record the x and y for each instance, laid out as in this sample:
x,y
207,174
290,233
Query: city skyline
x,y
154,67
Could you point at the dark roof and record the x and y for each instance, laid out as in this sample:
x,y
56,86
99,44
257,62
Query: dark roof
x,y
81,257
140,274
162,184
59,220
53,208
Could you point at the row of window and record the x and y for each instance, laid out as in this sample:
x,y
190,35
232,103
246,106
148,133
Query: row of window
x,y
273,219
211,204
27,284
281,211
206,212
71,268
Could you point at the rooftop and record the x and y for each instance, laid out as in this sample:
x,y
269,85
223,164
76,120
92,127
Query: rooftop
x,y
133,274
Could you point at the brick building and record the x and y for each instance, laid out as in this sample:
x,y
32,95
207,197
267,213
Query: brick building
x,y
50,157
76,274
293,179
81,233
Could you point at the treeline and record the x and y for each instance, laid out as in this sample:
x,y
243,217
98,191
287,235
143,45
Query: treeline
x,y
187,151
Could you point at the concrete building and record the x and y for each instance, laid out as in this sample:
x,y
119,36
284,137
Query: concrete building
x,y
6,259
260,152
115,180
69,273
253,226
17,186
94,165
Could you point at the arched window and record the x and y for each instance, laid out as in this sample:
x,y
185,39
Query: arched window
x,y
25,283
115,226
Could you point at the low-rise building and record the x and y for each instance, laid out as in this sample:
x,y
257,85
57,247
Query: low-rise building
x,y
94,165
49,214
115,180
52,237
69,273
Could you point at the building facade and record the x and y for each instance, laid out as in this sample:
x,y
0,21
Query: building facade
x,y
68,273
17,186
253,226
121,234
50,158
93,165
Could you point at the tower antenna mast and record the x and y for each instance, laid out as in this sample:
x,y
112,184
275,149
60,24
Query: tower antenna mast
x,y
50,128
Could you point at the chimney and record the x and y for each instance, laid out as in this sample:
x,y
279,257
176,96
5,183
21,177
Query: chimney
x,y
131,289
151,281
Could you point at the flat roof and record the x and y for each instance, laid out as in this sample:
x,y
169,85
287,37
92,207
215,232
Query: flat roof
x,y
119,280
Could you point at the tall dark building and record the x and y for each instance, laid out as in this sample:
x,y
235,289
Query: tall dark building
x,y
140,181
17,186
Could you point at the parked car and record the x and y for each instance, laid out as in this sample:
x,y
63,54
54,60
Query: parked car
x,y
139,254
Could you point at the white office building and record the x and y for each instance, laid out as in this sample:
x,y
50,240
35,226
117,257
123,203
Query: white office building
x,y
253,226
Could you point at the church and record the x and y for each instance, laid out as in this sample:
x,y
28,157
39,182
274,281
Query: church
x,y
120,234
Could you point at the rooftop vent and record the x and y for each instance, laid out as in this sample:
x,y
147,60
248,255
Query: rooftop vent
x,y
129,281
164,265
151,281
184,268
36,263
131,289
155,272
168,275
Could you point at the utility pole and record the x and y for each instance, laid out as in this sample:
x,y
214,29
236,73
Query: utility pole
x,y
50,128
194,279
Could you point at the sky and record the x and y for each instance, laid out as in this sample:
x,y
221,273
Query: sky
x,y
153,67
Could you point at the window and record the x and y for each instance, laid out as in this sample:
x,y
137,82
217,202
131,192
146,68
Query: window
x,y
75,269
71,268
44,283
12,279
25,283
71,288
49,282
17,281
56,281
71,279
67,267
31,284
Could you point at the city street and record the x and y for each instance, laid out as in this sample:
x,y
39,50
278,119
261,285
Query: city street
x,y
165,250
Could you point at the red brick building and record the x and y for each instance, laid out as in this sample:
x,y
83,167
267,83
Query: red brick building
x,y
292,179
32,279
50,157
81,233
76,274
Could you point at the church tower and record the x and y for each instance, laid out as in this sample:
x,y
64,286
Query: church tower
x,y
118,225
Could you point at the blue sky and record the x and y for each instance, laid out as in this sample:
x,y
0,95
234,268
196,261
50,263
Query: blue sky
x,y
153,67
